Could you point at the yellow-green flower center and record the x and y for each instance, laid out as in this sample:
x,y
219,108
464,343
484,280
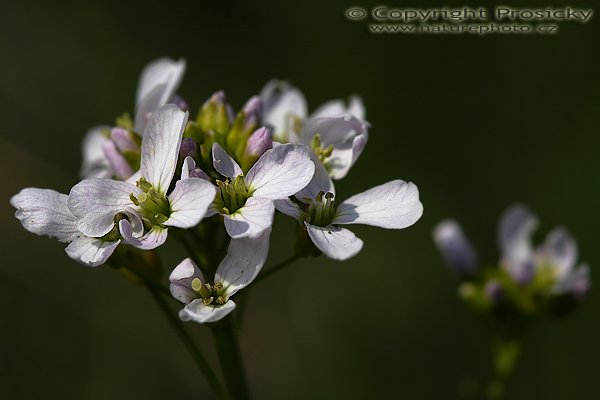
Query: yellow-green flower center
x,y
232,195
319,211
210,294
322,153
154,207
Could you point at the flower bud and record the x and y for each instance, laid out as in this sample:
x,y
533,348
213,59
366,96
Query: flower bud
x,y
252,112
456,249
188,148
259,142
180,102
214,118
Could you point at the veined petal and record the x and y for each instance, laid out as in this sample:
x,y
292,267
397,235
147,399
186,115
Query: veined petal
x,y
393,205
95,164
288,207
189,202
160,146
560,250
334,242
197,311
95,202
163,71
91,252
134,178
282,104
224,164
150,240
456,248
45,212
320,182
252,219
281,172
181,280
245,257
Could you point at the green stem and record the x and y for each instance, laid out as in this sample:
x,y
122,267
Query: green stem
x,y
276,268
505,354
187,341
231,359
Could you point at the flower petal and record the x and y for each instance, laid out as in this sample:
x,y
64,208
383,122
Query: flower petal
x,y
334,108
342,159
288,207
320,182
334,242
189,202
117,161
282,104
393,205
456,249
197,311
357,108
95,164
45,212
346,133
245,257
150,240
160,146
281,172
189,170
163,71
91,252
95,202
224,164
560,250
181,280
252,219
514,234
576,282
515,228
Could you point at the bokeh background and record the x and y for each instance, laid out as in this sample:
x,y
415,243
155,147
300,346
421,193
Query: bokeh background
x,y
477,122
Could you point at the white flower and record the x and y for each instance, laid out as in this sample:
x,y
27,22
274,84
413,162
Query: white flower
x,y
337,141
45,212
100,204
393,205
558,252
337,133
157,86
210,301
246,201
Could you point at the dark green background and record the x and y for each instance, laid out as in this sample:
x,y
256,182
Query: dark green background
x,y
476,122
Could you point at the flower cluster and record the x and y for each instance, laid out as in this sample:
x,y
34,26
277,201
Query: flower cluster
x,y
216,182
528,280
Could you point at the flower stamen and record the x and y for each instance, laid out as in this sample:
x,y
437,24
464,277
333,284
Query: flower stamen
x,y
210,294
